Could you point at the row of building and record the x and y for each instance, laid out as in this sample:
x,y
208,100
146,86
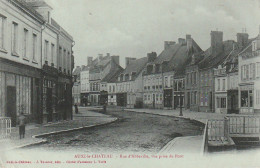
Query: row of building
x,y
36,63
225,78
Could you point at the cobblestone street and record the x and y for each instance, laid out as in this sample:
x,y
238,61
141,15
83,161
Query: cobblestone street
x,y
132,132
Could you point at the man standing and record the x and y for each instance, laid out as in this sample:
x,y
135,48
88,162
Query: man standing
x,y
21,125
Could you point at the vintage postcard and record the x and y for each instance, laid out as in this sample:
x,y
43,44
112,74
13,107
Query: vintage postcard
x,y
129,83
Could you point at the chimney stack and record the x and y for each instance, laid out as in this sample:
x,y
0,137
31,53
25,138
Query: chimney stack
x,y
90,61
168,44
189,42
116,59
128,60
216,42
242,39
151,56
181,41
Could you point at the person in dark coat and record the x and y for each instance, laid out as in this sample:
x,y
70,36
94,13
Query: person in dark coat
x,y
76,108
21,125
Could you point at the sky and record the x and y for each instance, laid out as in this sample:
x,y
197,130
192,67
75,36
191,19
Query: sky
x,y
133,28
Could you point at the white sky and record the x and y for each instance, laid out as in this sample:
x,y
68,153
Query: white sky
x,y
132,28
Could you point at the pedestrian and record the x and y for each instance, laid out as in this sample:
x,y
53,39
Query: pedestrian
x,y
21,125
76,108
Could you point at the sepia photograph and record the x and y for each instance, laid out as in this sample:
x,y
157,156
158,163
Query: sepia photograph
x,y
129,83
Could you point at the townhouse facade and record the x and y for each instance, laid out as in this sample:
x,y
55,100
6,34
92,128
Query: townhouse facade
x,y
92,76
76,89
29,59
129,85
249,78
164,76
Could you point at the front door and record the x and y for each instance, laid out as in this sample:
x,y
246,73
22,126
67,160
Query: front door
x,y
11,104
49,104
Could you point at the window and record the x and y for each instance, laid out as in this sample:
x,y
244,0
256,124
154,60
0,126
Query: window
x,y
14,38
258,69
2,29
195,78
195,97
166,81
157,97
34,46
224,84
221,102
145,97
171,81
46,49
60,57
114,88
52,52
257,96
254,46
25,42
246,98
161,97
64,59
218,84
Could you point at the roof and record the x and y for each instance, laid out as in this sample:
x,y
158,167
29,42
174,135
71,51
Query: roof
x,y
41,3
76,71
136,66
211,60
177,57
29,8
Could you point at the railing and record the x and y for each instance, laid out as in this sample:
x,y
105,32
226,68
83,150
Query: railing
x,y
244,124
218,130
5,127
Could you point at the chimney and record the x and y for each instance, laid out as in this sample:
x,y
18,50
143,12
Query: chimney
x,y
242,39
181,41
100,56
42,8
151,56
168,44
116,59
128,60
216,42
189,42
90,61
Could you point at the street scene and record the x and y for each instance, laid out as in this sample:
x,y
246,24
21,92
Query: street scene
x,y
98,82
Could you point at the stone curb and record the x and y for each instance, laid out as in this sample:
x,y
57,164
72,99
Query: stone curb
x,y
73,129
57,132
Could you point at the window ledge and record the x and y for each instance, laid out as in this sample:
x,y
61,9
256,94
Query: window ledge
x,y
15,54
35,62
26,59
3,50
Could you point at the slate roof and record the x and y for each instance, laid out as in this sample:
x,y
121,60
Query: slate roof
x,y
211,60
136,66
177,57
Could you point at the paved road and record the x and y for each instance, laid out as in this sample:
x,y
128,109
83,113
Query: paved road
x,y
133,132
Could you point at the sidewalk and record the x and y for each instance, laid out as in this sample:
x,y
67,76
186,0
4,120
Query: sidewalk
x,y
35,132
199,116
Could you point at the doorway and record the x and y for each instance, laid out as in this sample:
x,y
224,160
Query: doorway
x,y
11,104
49,104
